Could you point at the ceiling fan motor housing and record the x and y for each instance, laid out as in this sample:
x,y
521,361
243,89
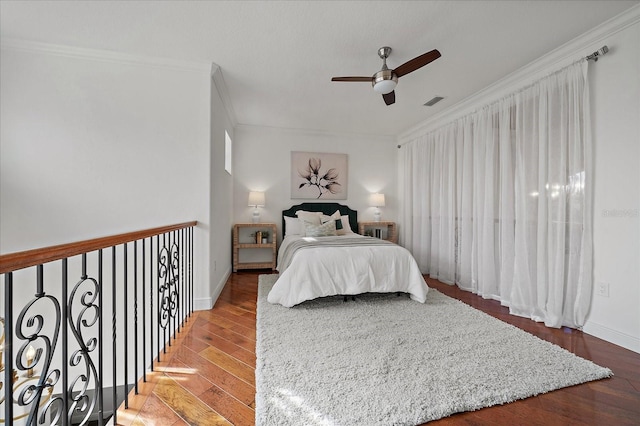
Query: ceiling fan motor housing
x,y
384,81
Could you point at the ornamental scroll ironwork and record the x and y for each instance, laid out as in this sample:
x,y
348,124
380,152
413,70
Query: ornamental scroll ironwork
x,y
168,273
87,314
19,383
82,314
29,328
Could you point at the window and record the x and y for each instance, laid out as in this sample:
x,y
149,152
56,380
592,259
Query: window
x,y
227,152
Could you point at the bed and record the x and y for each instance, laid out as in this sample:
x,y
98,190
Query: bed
x,y
313,265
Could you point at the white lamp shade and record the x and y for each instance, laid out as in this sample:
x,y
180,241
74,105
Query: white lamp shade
x,y
376,200
384,86
256,198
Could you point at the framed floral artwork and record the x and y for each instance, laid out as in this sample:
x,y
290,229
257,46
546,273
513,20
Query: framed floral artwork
x,y
318,176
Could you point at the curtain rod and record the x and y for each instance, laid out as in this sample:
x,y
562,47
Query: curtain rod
x,y
600,52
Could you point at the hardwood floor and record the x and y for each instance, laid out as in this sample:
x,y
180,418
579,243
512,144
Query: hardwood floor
x,y
207,376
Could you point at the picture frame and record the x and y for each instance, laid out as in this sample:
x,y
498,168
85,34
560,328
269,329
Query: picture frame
x,y
317,175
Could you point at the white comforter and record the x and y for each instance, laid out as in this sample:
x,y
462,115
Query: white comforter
x,y
328,271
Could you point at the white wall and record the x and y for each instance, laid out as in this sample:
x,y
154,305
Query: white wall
x,y
615,113
221,194
95,144
615,98
262,162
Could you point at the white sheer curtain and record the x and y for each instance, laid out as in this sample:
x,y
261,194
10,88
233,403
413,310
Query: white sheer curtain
x,y
499,202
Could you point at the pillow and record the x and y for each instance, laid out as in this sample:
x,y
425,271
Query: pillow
x,y
324,218
309,217
293,226
323,230
346,228
342,223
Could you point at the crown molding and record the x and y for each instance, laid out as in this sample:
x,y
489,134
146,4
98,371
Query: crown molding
x,y
223,91
313,132
102,55
562,56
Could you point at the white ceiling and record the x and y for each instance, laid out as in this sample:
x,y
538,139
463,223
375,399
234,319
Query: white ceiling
x,y
277,58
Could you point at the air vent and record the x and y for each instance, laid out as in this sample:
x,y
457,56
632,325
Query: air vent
x,y
434,101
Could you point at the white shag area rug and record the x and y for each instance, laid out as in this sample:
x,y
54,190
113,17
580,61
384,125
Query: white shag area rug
x,y
388,360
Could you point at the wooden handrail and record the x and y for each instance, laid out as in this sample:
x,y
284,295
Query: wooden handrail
x,y
24,259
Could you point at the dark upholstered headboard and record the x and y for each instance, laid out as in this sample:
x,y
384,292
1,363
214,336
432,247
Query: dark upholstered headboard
x,y
325,208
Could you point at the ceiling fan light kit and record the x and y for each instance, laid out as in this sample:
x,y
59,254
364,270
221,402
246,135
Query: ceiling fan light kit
x,y
385,80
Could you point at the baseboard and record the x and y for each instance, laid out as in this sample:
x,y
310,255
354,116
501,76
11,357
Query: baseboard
x,y
612,336
202,304
220,286
206,303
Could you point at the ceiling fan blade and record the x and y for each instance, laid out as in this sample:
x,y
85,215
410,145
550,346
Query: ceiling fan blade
x,y
363,79
417,62
389,98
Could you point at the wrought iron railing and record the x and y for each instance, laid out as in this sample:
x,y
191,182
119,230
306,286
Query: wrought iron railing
x,y
83,322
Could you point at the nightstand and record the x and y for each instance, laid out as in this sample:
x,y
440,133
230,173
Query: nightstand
x,y
383,229
244,239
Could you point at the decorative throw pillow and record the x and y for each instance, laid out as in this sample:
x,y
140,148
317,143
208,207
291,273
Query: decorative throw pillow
x,y
323,230
336,218
342,223
293,226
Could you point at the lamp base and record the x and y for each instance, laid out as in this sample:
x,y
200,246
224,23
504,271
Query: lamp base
x,y
376,215
256,216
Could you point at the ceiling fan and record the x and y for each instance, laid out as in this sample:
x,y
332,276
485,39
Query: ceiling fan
x,y
385,80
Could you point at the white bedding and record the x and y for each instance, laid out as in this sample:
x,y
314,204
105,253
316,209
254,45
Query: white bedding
x,y
327,271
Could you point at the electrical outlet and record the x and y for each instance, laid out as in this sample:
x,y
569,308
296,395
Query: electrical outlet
x,y
602,289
